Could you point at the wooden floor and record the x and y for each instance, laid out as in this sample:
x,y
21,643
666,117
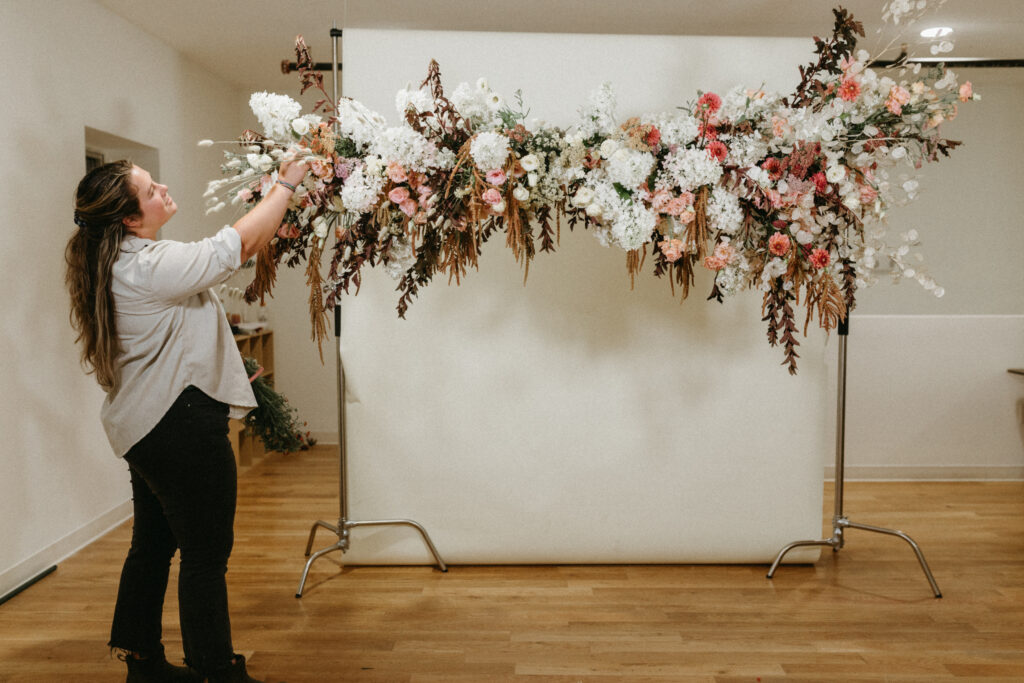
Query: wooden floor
x,y
864,614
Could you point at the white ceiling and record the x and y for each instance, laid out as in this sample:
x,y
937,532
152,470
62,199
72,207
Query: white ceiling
x,y
244,41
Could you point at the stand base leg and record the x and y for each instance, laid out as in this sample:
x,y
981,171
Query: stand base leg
x,y
837,541
342,529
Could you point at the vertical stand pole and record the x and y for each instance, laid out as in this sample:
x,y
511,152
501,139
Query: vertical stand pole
x,y
839,521
341,529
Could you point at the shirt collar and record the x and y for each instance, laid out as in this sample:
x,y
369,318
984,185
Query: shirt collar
x,y
133,243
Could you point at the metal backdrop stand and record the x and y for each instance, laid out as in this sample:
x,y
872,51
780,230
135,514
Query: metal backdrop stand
x,y
839,521
341,529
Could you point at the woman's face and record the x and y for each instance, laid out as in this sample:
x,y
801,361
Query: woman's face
x,y
155,205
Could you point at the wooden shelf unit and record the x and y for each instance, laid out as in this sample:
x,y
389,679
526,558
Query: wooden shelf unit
x,y
259,345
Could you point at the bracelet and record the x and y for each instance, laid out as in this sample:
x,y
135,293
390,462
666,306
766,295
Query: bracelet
x,y
288,185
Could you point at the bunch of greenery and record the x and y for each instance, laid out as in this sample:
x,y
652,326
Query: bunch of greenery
x,y
273,420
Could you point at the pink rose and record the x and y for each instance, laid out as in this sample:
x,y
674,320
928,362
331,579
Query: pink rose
x,y
397,173
408,206
496,177
966,91
491,196
778,244
399,194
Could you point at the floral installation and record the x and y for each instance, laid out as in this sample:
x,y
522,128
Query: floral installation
x,y
785,195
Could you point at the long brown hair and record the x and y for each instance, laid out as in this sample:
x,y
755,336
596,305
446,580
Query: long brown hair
x,y
105,197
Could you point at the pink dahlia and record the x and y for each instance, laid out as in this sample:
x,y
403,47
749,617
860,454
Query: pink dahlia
x,y
778,244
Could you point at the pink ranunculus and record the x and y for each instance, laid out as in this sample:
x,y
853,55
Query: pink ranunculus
x,y
408,207
717,150
660,200
849,89
399,194
778,244
397,173
966,91
491,196
820,258
496,177
672,249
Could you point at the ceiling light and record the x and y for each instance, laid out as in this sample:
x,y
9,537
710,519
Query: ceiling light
x,y
936,32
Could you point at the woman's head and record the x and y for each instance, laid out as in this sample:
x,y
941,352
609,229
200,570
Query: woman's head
x,y
105,203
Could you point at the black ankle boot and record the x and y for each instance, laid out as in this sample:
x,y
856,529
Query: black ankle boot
x,y
156,669
234,674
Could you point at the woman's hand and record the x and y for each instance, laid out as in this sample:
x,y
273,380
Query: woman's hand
x,y
293,172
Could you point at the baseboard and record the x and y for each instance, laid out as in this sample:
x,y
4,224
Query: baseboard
x,y
56,552
929,472
326,437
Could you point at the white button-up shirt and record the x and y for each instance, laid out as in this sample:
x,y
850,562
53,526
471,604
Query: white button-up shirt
x,y
173,332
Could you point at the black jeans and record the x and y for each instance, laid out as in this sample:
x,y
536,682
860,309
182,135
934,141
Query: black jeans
x,y
184,485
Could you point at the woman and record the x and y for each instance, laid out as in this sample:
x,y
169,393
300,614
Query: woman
x,y
158,342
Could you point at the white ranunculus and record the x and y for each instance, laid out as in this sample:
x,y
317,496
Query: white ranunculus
x,y
583,196
530,162
300,126
521,193
835,173
608,148
499,207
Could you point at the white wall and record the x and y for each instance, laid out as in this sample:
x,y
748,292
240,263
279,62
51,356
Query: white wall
x,y
69,65
928,392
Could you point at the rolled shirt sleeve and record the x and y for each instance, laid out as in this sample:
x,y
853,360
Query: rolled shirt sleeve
x,y
181,269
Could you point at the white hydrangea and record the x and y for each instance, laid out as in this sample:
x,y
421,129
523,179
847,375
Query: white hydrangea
x,y
405,146
358,122
741,103
678,128
418,99
275,113
362,188
746,150
489,150
724,211
626,224
478,104
629,167
688,169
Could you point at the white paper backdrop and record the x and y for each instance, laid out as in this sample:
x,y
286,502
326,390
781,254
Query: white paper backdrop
x,y
574,420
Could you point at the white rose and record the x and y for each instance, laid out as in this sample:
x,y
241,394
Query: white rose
x,y
530,162
300,126
608,148
521,193
835,173
584,196
594,210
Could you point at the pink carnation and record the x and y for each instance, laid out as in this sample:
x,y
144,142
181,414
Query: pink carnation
x,y
686,216
778,244
399,194
820,182
491,196
718,150
496,177
709,101
714,263
868,194
672,249
676,207
966,91
397,173
849,89
660,200
820,258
